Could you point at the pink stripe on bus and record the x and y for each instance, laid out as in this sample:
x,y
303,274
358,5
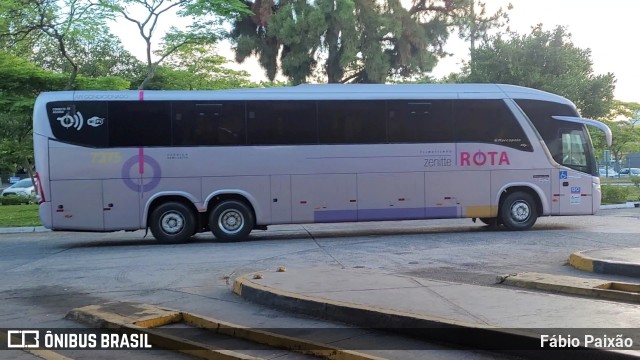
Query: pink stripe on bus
x,y
141,95
141,161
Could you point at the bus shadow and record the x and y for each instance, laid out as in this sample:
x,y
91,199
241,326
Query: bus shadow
x,y
372,233
317,233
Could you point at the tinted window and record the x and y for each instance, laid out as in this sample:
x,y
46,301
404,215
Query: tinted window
x,y
352,122
561,137
488,121
420,121
139,123
208,123
540,113
282,122
82,123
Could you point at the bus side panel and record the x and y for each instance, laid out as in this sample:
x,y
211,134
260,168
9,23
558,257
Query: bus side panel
x,y
452,194
324,198
121,206
280,199
77,205
391,196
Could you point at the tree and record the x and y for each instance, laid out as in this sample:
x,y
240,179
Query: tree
x,y
59,21
475,25
203,29
622,120
346,41
22,82
197,67
545,60
98,54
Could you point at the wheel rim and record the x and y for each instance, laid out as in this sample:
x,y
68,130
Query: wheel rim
x,y
520,211
172,222
231,221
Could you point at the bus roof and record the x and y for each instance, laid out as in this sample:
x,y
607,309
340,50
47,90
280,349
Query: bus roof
x,y
322,92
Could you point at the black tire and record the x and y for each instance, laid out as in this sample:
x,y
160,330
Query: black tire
x,y
172,223
518,211
231,220
493,222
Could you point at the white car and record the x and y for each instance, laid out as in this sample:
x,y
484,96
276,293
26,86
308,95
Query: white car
x,y
23,187
608,173
629,172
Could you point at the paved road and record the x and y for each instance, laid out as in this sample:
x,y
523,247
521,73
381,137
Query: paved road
x,y
47,274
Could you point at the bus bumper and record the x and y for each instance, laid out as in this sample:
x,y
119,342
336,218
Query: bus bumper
x,y
597,194
44,210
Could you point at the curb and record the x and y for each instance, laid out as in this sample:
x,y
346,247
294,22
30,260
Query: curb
x,y
25,229
581,261
473,336
149,318
594,288
619,206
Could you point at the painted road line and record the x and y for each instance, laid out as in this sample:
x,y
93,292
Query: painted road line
x,y
597,288
146,318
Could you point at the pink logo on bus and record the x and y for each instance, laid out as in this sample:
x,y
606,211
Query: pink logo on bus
x,y
141,159
480,158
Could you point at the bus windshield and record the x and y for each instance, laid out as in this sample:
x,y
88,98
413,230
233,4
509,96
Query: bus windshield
x,y
568,142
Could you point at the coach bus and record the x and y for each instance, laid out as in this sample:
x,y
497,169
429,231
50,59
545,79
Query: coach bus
x,y
183,162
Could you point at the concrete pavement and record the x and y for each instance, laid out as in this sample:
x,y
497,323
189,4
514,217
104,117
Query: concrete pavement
x,y
489,318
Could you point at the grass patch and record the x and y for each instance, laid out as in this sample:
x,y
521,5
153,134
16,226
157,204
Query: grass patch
x,y
19,215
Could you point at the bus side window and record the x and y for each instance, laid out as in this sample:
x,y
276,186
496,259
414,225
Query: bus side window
x,y
136,123
489,121
423,121
351,122
208,123
281,122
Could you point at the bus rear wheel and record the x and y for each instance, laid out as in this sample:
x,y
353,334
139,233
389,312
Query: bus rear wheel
x,y
231,220
172,222
518,211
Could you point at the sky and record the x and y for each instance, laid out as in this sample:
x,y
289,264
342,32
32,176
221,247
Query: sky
x,y
609,28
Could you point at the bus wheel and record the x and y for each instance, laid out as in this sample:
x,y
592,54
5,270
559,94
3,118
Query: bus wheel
x,y
518,211
172,222
231,221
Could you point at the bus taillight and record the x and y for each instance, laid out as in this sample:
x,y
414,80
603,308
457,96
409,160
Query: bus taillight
x,y
40,191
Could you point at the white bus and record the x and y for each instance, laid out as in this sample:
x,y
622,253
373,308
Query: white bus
x,y
183,162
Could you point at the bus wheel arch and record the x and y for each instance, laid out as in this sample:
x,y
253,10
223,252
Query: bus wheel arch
x,y
519,208
172,219
231,217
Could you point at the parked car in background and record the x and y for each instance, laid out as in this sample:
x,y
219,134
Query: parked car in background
x,y
629,172
23,187
609,173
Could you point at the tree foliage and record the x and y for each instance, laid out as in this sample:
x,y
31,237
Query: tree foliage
x,y
145,14
350,40
22,82
59,22
197,67
623,122
545,60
